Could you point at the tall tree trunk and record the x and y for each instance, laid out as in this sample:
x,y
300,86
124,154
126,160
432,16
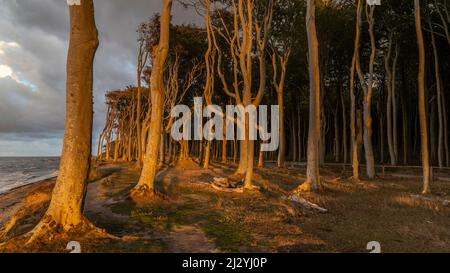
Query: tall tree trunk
x,y
440,148
145,187
299,137
389,103
224,141
337,141
66,207
394,102
313,177
344,128
294,140
422,110
353,125
282,148
261,162
207,158
367,104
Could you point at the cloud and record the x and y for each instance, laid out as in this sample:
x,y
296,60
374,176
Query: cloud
x,y
33,52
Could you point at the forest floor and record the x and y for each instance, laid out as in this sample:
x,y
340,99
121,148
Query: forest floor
x,y
196,218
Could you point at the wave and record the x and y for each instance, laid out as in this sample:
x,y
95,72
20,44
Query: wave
x,y
18,172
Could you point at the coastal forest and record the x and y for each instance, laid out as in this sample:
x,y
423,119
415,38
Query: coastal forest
x,y
361,131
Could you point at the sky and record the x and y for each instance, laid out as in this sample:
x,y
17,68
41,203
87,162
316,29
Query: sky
x,y
33,53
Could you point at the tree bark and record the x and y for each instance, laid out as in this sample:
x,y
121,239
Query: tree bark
x,y
313,177
145,187
66,207
422,110
354,138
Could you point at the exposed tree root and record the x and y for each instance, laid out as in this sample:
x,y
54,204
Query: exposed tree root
x,y
8,227
355,179
144,194
305,187
48,230
237,176
252,188
308,186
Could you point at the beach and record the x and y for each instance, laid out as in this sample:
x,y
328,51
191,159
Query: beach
x,y
194,217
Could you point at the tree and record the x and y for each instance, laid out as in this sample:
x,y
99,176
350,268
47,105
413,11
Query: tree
x,y
65,212
142,58
279,88
422,109
313,177
367,87
354,138
145,188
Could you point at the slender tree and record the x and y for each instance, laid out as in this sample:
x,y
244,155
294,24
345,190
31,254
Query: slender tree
x,y
313,177
422,109
65,212
145,188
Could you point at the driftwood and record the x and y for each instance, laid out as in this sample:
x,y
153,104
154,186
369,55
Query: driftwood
x,y
225,185
229,190
443,202
305,203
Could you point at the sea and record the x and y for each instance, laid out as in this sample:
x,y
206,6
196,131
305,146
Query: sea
x,y
16,172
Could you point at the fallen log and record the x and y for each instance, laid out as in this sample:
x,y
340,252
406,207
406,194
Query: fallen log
x,y
305,203
228,190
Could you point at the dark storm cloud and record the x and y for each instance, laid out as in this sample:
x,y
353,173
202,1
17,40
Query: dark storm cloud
x,y
33,43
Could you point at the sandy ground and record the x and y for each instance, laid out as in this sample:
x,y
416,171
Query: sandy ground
x,y
197,218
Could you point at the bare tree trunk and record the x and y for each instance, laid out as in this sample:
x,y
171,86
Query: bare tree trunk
x,y
353,125
145,187
207,159
337,141
440,148
405,130
422,110
344,129
261,162
282,148
66,207
390,104
367,103
447,154
313,177
394,103
294,140
224,141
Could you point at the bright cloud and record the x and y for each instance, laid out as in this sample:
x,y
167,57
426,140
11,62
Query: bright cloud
x,y
5,71
5,45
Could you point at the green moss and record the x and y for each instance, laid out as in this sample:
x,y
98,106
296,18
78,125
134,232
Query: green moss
x,y
123,208
227,234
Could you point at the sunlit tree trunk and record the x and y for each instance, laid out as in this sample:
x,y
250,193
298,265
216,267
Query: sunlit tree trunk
x,y
145,187
313,177
368,96
422,109
66,207
354,138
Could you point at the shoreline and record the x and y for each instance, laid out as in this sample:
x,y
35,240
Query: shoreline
x,y
29,184
13,200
